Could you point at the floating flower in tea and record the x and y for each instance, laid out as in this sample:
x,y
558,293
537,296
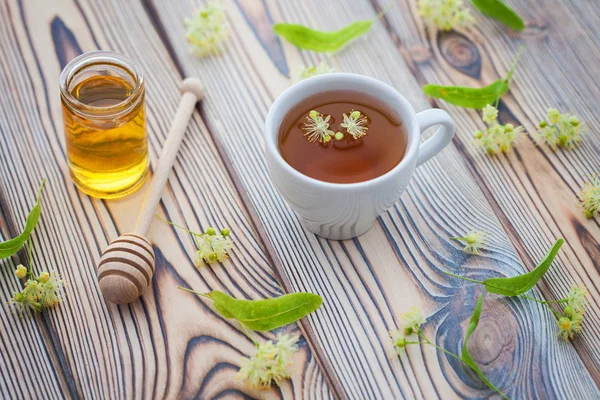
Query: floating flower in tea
x,y
355,124
317,127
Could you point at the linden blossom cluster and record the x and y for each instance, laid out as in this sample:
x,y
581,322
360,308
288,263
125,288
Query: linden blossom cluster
x,y
317,127
207,29
562,130
45,291
270,364
590,197
212,246
445,14
496,137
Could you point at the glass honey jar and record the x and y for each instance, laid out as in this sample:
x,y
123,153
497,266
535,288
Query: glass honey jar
x,y
103,103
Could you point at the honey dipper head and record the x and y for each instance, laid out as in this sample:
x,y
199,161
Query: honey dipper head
x,y
126,268
193,85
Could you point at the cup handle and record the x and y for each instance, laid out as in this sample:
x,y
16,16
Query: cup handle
x,y
440,139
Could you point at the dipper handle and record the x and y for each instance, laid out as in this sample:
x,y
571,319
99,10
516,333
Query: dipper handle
x,y
193,91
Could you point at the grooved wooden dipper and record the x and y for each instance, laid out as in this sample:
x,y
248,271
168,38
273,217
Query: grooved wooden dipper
x,y
127,265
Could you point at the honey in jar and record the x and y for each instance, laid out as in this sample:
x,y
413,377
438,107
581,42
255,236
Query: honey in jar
x,y
103,103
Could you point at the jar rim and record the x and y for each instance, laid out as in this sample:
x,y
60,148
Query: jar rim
x,y
101,57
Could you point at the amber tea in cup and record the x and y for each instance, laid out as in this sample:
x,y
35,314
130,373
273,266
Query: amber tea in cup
x,y
103,102
318,138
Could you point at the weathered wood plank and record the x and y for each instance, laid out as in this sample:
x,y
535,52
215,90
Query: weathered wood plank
x,y
366,282
535,189
170,344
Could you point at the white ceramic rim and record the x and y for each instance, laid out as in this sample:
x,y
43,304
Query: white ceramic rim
x,y
374,89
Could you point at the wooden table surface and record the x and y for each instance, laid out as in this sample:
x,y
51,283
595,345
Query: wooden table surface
x,y
171,344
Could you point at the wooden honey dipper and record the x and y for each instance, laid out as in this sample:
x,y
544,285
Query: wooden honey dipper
x,y
127,265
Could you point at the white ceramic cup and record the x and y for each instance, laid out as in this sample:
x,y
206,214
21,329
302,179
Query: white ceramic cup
x,y
346,210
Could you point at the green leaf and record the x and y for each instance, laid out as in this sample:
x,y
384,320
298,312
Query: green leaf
x,y
222,310
10,247
497,9
464,96
323,42
266,314
518,285
466,356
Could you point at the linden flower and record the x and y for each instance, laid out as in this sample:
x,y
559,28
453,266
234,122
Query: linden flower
x,y
490,114
445,14
562,130
576,298
270,363
212,247
496,137
317,127
399,341
569,324
207,29
53,289
412,321
21,271
355,124
33,289
475,241
22,304
311,70
590,196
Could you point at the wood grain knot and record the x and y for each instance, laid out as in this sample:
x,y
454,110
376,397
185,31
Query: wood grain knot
x,y
493,343
126,268
460,52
